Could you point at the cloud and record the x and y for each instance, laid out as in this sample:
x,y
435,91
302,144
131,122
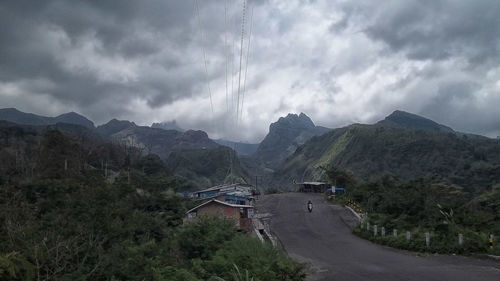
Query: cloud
x,y
337,61
440,30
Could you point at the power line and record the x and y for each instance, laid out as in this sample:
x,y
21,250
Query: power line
x,y
226,50
246,65
204,56
232,77
241,58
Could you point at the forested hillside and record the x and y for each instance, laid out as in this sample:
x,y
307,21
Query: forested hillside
x,y
142,140
425,205
77,209
374,151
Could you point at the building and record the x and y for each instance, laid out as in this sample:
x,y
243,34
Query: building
x,y
241,214
239,194
318,187
334,190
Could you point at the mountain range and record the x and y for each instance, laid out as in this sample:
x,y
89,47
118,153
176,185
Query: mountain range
x,y
19,117
172,125
403,146
285,136
242,148
407,120
179,150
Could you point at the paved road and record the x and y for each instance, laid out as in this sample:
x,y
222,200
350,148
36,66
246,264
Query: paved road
x,y
323,240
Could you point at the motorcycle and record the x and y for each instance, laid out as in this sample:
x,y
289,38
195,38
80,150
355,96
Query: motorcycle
x,y
310,206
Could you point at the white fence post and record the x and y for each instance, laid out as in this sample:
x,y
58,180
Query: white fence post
x,y
383,231
395,233
427,239
408,235
460,239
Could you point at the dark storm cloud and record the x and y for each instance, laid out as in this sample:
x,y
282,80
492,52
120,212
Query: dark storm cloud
x,y
39,39
337,61
435,30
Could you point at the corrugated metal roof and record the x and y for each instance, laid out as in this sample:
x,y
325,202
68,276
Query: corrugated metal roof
x,y
313,183
224,186
240,193
220,202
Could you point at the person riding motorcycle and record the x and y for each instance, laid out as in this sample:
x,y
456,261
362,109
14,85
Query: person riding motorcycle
x,y
310,206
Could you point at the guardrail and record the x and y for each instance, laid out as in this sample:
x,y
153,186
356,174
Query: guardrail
x,y
355,207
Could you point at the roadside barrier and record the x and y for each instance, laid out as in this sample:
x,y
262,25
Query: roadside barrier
x,y
373,230
353,205
427,238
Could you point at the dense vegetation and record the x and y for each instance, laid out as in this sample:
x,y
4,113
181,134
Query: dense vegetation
x,y
375,151
432,205
200,168
64,216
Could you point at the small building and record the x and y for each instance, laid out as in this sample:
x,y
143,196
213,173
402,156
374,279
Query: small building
x,y
239,194
339,190
206,193
318,187
336,190
241,214
239,198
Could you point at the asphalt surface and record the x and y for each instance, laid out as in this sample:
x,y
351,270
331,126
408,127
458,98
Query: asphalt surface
x,y
323,240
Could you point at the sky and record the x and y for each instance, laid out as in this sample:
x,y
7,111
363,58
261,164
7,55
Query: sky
x,y
339,62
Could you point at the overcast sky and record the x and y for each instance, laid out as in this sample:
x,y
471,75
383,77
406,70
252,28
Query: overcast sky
x,y
339,62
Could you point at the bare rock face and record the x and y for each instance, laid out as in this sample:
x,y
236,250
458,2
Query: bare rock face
x,y
114,126
170,125
285,136
157,141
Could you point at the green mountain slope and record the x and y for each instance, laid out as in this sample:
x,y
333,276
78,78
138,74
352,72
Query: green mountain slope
x,y
198,161
201,168
412,121
374,151
191,155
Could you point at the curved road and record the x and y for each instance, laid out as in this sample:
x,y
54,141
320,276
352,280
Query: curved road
x,y
323,240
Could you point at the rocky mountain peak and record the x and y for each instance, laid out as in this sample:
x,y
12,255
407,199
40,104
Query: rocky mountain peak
x,y
293,121
168,125
196,135
408,120
114,126
75,118
285,135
